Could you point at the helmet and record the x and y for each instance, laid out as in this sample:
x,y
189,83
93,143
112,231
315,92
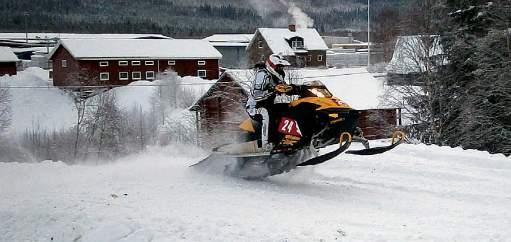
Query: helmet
x,y
275,65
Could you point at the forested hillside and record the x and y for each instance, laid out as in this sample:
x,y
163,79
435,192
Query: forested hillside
x,y
176,17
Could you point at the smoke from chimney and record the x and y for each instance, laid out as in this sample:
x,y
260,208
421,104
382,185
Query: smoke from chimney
x,y
271,8
300,18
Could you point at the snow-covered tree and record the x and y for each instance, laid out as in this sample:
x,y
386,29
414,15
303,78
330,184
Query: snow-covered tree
x,y
103,126
480,70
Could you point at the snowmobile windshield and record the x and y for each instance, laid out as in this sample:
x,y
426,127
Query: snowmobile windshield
x,y
317,89
320,92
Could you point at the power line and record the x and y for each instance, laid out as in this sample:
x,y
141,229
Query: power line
x,y
156,85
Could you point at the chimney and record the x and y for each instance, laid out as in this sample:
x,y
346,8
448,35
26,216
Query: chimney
x,y
292,27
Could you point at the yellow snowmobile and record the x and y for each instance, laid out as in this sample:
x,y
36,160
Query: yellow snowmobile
x,y
316,119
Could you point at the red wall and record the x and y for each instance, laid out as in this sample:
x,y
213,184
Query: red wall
x,y
190,67
86,72
7,68
378,123
221,112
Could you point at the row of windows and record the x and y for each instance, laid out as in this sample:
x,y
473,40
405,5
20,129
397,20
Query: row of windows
x,y
309,58
137,75
123,76
147,63
136,63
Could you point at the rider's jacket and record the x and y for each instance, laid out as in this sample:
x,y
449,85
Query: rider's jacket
x,y
262,90
263,85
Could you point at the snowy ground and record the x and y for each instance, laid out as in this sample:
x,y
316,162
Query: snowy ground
x,y
413,193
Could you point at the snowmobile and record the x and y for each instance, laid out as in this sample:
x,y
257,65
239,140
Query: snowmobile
x,y
314,120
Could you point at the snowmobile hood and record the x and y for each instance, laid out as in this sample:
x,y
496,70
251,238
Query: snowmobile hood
x,y
322,102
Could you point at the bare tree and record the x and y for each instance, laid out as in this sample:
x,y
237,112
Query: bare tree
x,y
417,59
5,109
103,126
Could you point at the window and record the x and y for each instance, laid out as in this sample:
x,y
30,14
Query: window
x,y
201,73
135,63
320,58
104,76
64,63
149,63
172,63
103,63
201,63
123,63
149,75
297,44
136,75
260,44
123,76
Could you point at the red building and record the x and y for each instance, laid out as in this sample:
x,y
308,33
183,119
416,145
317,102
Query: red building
x,y
220,111
80,62
8,61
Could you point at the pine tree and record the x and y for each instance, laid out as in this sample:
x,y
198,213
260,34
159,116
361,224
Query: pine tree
x,y
479,72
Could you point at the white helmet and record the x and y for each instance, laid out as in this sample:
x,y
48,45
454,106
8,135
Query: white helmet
x,y
275,65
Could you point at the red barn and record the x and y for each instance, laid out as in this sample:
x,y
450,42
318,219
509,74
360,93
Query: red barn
x,y
80,62
220,111
8,61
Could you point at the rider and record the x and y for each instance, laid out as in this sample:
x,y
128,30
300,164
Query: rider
x,y
267,82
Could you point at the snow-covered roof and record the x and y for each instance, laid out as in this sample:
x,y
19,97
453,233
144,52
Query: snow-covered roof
x,y
276,38
359,88
230,40
22,36
412,51
6,55
139,49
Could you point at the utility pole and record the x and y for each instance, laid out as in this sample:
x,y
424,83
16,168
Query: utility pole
x,y
26,26
368,33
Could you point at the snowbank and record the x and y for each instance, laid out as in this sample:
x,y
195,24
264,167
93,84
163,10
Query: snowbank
x,y
45,107
414,193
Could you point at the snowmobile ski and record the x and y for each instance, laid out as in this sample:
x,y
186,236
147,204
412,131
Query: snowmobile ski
x,y
345,142
397,138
